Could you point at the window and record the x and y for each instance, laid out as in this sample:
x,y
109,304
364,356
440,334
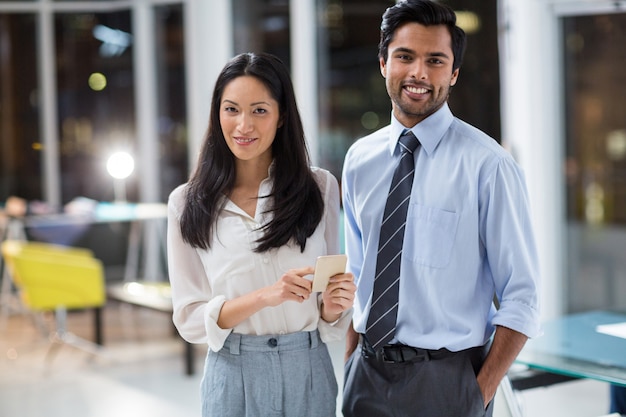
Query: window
x,y
595,163
172,111
96,101
20,135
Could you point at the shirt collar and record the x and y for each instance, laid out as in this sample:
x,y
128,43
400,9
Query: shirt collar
x,y
429,131
265,188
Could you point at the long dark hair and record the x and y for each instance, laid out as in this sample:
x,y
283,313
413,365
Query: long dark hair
x,y
297,204
427,13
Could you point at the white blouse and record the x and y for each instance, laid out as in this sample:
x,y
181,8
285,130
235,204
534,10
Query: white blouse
x,y
202,280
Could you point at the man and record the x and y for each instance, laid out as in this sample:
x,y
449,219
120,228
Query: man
x,y
440,348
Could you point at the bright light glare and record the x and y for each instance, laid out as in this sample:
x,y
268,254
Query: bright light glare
x,y
120,165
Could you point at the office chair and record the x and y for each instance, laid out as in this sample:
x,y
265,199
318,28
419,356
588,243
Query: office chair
x,y
52,278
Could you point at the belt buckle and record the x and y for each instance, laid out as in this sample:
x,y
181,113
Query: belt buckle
x,y
386,358
401,354
382,356
386,355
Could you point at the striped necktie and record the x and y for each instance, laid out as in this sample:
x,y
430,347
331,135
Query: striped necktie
x,y
381,322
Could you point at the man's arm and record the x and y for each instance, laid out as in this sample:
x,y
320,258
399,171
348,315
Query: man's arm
x,y
352,340
506,345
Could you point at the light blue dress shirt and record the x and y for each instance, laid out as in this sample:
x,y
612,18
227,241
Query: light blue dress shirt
x,y
468,234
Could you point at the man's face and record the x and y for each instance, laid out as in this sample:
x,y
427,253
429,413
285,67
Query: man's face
x,y
418,71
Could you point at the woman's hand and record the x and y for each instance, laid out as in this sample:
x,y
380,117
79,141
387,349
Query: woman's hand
x,y
338,297
292,286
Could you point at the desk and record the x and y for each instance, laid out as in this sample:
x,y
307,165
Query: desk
x,y
65,228
572,347
156,296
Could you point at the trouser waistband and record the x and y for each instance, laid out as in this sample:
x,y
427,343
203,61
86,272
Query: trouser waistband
x,y
236,342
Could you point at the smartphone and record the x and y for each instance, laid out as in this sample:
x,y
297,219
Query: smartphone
x,y
325,267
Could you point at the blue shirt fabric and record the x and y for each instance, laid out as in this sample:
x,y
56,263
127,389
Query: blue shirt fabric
x,y
468,234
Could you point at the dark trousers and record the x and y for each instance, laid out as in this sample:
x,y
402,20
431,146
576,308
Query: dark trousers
x,y
423,386
618,399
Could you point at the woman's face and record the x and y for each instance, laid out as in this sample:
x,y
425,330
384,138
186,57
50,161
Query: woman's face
x,y
249,117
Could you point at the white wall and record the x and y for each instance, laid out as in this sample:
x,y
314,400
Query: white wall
x,y
209,44
304,69
531,127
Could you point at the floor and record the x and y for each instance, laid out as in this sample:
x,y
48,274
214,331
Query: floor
x,y
140,372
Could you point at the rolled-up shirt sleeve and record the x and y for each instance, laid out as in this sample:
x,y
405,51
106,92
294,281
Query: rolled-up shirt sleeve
x,y
511,249
195,308
336,330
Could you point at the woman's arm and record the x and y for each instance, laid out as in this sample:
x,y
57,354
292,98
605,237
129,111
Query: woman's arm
x,y
292,286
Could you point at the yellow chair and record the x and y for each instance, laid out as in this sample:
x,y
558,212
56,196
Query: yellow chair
x,y
55,278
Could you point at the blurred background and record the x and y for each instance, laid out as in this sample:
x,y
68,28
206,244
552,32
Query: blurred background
x,y
82,80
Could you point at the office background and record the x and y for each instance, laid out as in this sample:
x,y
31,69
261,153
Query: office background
x,y
81,79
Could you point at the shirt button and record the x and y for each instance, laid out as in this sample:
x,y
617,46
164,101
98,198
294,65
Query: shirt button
x,y
266,260
272,342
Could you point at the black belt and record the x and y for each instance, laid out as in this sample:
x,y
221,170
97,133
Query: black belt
x,y
401,353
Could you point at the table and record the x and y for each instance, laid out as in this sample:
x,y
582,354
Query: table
x,y
153,295
573,347
66,228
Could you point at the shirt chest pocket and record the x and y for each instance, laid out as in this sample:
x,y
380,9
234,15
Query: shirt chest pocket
x,y
429,236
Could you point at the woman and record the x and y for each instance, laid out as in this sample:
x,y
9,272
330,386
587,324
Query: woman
x,y
243,235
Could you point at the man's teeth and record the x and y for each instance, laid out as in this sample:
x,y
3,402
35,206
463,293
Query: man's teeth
x,y
416,90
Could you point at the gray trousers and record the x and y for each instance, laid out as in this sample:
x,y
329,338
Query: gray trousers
x,y
444,387
264,376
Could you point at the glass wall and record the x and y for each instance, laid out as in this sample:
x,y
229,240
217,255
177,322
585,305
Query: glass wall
x,y
171,97
93,86
262,26
595,163
96,102
20,144
77,71
353,100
